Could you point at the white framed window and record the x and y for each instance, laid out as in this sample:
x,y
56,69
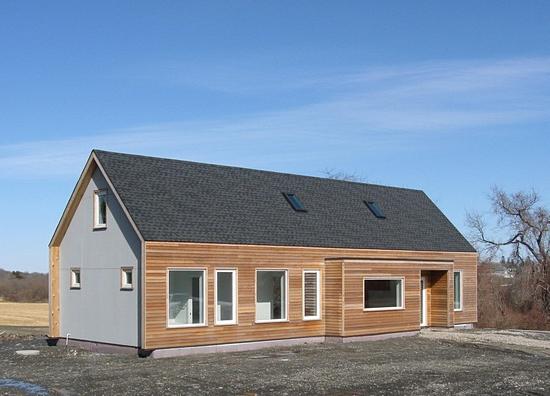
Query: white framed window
x,y
311,295
75,278
127,278
271,295
458,292
225,296
186,297
383,293
100,209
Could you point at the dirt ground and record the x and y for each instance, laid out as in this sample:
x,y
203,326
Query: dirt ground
x,y
23,314
436,362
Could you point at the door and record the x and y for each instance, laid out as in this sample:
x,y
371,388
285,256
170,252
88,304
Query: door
x,y
424,301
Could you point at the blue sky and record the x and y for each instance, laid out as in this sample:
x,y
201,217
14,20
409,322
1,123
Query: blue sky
x,y
448,97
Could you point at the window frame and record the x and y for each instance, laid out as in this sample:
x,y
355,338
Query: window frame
x,y
72,282
294,205
123,284
234,321
461,272
318,273
97,194
375,209
204,299
400,278
285,270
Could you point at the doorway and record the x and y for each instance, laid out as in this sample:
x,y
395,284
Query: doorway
x,y
424,301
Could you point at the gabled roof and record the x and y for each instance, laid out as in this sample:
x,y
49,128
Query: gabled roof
x,y
172,200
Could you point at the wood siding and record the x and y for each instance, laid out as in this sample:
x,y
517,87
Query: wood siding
x,y
469,303
440,313
335,293
333,304
54,292
358,322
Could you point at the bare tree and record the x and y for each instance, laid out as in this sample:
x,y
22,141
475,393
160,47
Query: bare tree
x,y
338,175
525,226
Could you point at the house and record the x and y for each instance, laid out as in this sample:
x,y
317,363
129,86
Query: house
x,y
165,255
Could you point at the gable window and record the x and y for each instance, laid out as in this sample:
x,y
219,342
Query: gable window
x,y
100,209
75,278
271,295
295,202
458,290
311,297
186,297
383,294
375,209
126,278
226,297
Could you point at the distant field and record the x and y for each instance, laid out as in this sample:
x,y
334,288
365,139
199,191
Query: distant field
x,y
23,314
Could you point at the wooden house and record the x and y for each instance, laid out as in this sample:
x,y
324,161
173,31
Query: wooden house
x,y
173,257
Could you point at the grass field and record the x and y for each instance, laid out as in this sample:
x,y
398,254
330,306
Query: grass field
x,y
23,314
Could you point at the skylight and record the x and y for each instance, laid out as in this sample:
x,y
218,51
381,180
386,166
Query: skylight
x,y
295,202
375,209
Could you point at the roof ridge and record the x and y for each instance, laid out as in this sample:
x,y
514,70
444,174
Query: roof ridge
x,y
258,170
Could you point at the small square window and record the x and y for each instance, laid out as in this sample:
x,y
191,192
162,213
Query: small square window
x,y
100,209
75,278
127,278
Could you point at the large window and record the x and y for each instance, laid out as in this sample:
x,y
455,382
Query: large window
x,y
271,295
311,289
186,297
226,297
458,290
383,294
100,209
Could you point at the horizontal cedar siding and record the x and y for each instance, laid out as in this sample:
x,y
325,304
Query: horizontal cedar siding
x,y
246,259
469,308
333,299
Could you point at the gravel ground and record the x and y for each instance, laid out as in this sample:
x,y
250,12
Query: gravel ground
x,y
463,362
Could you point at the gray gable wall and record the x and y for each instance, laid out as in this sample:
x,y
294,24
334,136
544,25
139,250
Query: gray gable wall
x,y
100,310
172,200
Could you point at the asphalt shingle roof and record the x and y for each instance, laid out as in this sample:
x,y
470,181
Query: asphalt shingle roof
x,y
172,200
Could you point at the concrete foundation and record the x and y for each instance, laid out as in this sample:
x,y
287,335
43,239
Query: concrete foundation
x,y
92,346
464,326
250,346
234,347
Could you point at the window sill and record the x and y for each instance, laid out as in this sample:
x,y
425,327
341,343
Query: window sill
x,y
100,227
186,326
75,287
271,321
458,310
313,318
226,324
383,309
127,288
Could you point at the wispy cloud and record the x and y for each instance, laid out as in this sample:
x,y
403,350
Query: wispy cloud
x,y
374,109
